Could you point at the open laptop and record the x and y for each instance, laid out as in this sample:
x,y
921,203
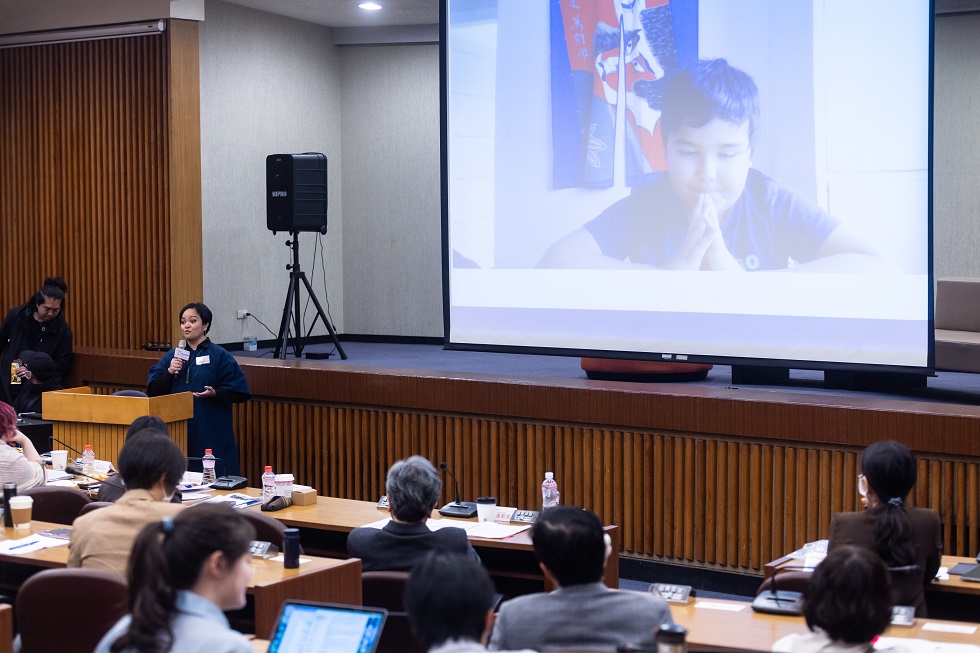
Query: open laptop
x,y
309,627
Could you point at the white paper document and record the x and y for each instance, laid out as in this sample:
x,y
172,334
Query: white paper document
x,y
30,544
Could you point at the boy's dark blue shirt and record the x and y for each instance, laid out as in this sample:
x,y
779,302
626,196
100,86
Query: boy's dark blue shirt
x,y
766,227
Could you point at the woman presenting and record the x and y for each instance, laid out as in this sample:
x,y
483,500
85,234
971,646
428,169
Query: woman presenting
x,y
216,381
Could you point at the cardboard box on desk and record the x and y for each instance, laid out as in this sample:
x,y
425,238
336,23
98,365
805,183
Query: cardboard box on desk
x,y
303,495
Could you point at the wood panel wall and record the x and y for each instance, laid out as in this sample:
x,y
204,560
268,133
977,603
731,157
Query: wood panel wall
x,y
689,474
99,149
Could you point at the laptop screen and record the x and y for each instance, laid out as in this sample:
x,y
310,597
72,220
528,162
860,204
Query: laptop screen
x,y
305,627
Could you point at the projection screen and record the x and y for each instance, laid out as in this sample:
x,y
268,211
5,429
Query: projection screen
x,y
701,180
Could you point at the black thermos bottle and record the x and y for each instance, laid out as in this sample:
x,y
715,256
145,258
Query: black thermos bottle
x,y
290,548
9,490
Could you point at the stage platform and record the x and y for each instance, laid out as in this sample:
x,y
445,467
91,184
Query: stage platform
x,y
702,474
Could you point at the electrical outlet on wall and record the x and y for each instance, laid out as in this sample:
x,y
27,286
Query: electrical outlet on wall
x,y
242,313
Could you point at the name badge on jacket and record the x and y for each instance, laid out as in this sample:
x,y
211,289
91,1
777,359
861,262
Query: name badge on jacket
x,y
203,360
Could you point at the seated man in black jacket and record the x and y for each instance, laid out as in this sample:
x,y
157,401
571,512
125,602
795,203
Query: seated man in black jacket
x,y
413,488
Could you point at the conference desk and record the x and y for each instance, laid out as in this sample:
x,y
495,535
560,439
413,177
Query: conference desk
x,y
317,579
952,597
720,625
511,562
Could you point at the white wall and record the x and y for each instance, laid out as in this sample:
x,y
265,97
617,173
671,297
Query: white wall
x,y
391,182
269,85
956,147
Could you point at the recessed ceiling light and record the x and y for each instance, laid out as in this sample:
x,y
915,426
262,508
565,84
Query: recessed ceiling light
x,y
370,6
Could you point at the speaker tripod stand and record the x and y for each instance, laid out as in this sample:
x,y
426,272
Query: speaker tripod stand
x,y
296,275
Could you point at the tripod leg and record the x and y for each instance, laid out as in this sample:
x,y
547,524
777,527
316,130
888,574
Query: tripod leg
x,y
284,324
323,316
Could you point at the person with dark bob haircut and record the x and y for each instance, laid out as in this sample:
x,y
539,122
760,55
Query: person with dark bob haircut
x,y
216,381
185,572
113,487
151,466
413,486
847,603
39,326
450,600
582,613
908,540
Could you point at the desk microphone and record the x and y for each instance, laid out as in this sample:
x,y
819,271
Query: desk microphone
x,y
51,439
458,509
200,458
74,471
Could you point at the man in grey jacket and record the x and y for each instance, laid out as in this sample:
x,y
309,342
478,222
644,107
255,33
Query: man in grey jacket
x,y
583,612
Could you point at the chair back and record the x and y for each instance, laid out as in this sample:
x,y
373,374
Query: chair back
x,y
56,592
386,589
130,393
93,505
60,505
267,529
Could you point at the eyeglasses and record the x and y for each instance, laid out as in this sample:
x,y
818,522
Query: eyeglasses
x,y
862,485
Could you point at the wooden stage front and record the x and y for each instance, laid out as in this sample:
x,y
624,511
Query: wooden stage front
x,y
722,478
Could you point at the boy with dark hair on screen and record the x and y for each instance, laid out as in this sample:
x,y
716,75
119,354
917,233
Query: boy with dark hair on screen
x,y
711,210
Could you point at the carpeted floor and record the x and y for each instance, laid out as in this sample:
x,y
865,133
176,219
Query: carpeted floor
x,y
945,387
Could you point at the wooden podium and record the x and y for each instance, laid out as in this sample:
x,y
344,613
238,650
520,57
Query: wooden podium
x,y
81,418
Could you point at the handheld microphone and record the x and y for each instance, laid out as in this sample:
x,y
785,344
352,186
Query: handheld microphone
x,y
51,439
458,509
181,353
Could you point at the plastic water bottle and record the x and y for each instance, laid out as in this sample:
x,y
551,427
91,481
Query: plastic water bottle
x,y
208,463
88,459
549,491
268,484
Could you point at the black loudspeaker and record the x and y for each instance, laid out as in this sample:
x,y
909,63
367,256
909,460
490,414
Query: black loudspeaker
x,y
297,192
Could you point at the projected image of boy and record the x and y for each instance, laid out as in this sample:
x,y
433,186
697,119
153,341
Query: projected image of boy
x,y
712,210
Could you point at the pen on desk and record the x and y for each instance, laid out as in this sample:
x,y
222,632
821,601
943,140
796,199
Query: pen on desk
x,y
20,546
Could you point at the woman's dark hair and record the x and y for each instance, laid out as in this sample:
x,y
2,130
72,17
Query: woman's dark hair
x,y
145,423
849,596
168,556
890,470
447,598
53,288
202,310
146,457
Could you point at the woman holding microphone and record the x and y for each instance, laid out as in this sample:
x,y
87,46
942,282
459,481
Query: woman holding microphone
x,y
216,381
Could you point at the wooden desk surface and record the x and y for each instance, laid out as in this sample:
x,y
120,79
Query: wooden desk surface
x,y
344,515
748,630
316,579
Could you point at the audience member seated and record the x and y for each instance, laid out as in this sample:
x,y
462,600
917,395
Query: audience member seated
x,y
901,536
151,467
413,488
25,469
582,613
847,604
449,600
185,572
112,488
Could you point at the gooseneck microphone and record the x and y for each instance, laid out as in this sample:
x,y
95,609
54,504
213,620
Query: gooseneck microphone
x,y
74,471
51,439
458,509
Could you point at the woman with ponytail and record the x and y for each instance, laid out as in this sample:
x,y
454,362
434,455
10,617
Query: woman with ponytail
x,y
903,537
184,572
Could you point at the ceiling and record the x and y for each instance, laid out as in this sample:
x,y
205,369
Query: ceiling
x,y
346,13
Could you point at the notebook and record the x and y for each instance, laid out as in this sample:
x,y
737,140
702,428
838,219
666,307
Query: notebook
x,y
308,627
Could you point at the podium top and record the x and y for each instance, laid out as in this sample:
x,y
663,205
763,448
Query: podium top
x,y
81,405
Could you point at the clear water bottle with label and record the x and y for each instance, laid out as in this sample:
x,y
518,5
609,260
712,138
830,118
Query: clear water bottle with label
x,y
88,459
268,484
549,491
207,478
